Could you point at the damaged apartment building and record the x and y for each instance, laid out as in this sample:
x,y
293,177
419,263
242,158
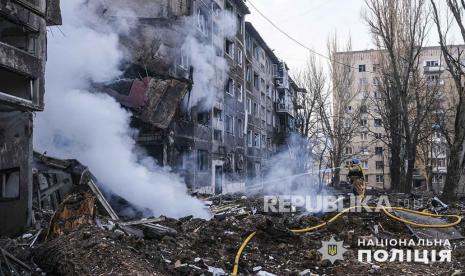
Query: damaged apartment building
x,y
23,45
219,145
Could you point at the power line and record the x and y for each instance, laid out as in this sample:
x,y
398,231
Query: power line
x,y
298,42
306,47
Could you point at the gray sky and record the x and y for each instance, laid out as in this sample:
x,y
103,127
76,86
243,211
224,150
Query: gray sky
x,y
311,22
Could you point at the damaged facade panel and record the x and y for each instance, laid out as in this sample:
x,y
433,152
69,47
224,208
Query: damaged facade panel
x,y
152,100
22,66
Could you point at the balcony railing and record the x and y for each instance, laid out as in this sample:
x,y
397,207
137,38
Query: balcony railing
x,y
433,69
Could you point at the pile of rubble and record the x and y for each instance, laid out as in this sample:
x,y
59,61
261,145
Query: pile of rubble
x,y
83,239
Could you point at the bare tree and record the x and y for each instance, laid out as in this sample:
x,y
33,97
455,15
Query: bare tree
x,y
453,56
337,123
313,79
399,29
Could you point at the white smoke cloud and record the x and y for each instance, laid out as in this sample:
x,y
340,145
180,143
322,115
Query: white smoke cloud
x,y
210,66
292,170
93,128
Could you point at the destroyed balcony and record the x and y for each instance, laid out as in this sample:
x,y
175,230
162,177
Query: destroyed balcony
x,y
153,100
19,73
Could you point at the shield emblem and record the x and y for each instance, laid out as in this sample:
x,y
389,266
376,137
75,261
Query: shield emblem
x,y
332,249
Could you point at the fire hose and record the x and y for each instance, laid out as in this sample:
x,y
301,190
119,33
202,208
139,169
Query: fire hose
x,y
385,209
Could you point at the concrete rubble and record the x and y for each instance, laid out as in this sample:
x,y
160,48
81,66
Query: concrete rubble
x,y
83,235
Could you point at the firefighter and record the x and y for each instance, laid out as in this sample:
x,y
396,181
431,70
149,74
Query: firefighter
x,y
357,177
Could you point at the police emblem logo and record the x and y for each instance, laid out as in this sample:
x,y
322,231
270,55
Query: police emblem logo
x,y
332,250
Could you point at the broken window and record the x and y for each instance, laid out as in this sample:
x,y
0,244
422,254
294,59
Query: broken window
x,y
17,36
240,128
203,118
249,106
257,168
217,135
378,150
239,56
229,48
378,122
183,60
263,115
256,140
218,114
229,87
229,124
249,138
229,7
256,82
255,51
240,93
18,85
262,83
9,184
248,74
201,21
239,24
275,71
255,110
202,160
379,165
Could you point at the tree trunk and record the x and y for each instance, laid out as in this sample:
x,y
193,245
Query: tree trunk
x,y
454,169
407,183
336,177
395,165
456,163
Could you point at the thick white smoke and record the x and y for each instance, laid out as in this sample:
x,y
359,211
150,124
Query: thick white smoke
x,y
210,66
93,128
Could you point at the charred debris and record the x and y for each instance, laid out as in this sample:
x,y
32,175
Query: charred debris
x,y
82,234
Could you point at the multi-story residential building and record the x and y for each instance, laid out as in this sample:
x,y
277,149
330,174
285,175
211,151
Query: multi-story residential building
x,y
217,145
23,46
367,144
261,64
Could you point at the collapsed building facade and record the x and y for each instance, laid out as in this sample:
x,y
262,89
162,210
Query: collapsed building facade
x,y
23,46
217,145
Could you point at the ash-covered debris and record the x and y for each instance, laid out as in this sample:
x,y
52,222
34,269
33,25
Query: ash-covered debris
x,y
191,246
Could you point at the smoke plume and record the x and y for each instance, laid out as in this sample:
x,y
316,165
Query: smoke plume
x,y
92,127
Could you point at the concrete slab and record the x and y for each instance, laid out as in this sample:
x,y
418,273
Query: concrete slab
x,y
450,233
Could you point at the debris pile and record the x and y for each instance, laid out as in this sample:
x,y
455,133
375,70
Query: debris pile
x,y
85,241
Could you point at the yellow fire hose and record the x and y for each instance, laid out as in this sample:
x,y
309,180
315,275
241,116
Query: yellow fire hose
x,y
385,210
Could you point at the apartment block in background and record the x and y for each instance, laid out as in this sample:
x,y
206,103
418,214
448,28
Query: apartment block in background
x,y
367,143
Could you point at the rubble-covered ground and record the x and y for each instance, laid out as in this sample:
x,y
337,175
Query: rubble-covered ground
x,y
201,247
